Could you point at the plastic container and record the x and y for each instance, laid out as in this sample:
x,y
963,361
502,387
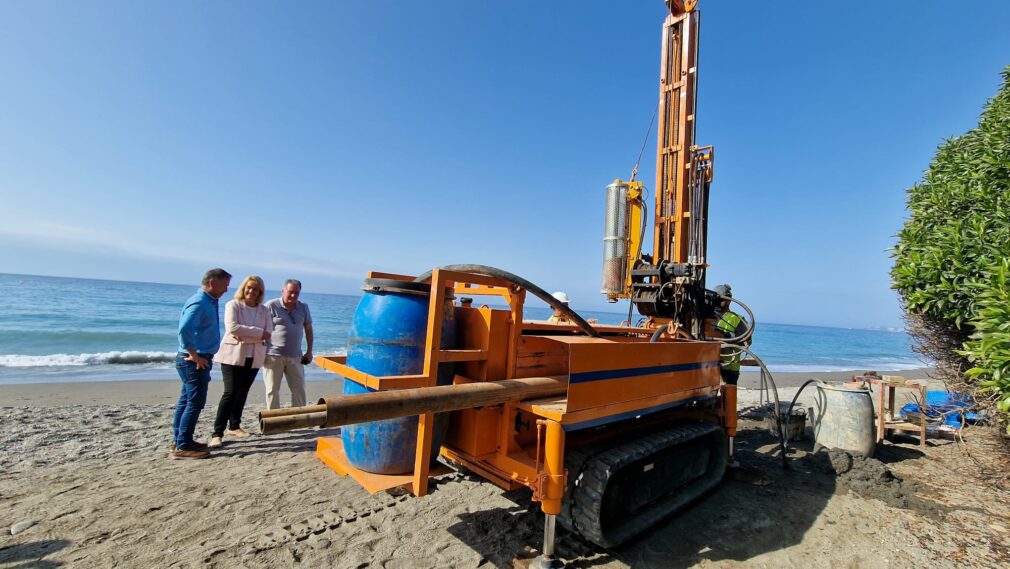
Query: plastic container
x,y
387,337
843,419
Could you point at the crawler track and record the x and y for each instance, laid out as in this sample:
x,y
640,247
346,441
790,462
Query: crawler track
x,y
618,491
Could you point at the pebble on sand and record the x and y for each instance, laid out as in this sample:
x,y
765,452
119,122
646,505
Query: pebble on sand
x,y
22,526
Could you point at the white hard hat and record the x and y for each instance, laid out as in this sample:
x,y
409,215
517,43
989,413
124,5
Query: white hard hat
x,y
723,290
561,297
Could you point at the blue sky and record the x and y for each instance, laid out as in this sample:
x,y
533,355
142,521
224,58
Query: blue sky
x,y
150,141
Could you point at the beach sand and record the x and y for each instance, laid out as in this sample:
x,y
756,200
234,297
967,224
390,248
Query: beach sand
x,y
86,482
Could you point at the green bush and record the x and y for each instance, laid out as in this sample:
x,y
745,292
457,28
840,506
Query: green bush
x,y
989,347
951,260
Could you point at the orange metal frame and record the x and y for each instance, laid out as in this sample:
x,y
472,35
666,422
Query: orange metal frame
x,y
675,138
611,379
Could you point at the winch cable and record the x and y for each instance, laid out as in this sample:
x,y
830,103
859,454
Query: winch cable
x,y
644,199
523,283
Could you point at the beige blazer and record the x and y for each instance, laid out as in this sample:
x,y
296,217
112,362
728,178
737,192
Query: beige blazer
x,y
238,334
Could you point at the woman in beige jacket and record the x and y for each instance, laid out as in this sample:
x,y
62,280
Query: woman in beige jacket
x,y
247,328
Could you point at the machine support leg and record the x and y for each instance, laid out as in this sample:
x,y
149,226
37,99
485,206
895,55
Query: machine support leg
x,y
546,560
549,520
553,492
729,418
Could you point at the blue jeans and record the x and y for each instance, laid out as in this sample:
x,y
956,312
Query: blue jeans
x,y
191,399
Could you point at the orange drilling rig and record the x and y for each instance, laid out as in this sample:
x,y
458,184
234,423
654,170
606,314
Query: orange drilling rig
x,y
612,428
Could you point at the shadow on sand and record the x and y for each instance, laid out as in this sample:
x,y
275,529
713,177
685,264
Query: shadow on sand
x,y
300,441
766,509
25,555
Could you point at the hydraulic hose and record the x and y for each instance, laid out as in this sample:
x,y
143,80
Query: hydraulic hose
x,y
789,413
658,333
750,323
775,391
523,283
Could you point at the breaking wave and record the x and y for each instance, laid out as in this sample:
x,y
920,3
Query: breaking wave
x,y
72,360
850,366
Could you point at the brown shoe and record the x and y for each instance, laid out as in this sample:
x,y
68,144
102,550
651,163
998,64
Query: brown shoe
x,y
199,446
195,454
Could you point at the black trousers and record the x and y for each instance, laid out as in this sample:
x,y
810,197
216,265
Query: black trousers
x,y
237,381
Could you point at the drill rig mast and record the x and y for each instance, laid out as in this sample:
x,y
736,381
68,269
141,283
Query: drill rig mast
x,y
668,286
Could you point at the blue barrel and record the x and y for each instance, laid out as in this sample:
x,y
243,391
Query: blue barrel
x,y
387,338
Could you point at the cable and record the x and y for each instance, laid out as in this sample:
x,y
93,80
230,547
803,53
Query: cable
x,y
648,133
751,323
523,283
659,332
789,413
771,381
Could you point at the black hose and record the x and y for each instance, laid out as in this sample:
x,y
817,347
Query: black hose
x,y
775,391
523,283
750,324
789,413
659,332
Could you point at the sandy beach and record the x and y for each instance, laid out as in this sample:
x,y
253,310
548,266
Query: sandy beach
x,y
86,482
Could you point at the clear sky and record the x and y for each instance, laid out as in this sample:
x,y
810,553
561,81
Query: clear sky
x,y
150,141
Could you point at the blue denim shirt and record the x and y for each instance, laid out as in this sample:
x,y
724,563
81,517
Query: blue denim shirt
x,y
199,325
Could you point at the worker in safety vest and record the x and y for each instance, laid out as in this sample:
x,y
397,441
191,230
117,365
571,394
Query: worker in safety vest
x,y
731,325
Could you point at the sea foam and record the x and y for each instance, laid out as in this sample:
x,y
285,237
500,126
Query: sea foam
x,y
70,360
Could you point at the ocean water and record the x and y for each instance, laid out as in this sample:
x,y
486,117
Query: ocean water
x,y
63,329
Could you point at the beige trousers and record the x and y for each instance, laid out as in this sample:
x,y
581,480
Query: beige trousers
x,y
277,367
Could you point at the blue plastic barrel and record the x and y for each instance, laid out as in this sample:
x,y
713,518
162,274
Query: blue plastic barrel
x,y
387,338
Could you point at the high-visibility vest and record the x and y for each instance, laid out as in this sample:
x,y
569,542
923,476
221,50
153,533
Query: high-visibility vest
x,y
731,325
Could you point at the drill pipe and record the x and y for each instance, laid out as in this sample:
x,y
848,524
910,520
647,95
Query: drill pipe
x,y
365,407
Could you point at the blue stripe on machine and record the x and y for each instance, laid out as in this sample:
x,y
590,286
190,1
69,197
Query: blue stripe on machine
x,y
585,376
630,414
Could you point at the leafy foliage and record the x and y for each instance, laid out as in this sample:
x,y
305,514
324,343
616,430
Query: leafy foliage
x,y
951,261
989,347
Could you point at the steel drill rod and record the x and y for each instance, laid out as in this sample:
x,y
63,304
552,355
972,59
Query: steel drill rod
x,y
282,412
365,407
274,425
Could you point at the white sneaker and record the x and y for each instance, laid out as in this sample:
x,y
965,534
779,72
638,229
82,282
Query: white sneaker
x,y
215,442
237,433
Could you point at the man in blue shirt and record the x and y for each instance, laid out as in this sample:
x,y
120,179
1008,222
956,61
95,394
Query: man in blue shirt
x,y
199,338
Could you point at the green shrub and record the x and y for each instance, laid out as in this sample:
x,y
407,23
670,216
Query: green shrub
x,y
989,346
951,259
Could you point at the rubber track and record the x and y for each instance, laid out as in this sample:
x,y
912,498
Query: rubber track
x,y
590,471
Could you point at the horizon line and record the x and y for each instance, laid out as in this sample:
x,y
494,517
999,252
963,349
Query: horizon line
x,y
889,329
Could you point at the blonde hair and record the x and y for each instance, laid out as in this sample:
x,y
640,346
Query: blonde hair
x,y
240,293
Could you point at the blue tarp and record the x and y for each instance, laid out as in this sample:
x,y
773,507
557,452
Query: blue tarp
x,y
953,409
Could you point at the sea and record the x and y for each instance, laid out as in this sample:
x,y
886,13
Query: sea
x,y
55,329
